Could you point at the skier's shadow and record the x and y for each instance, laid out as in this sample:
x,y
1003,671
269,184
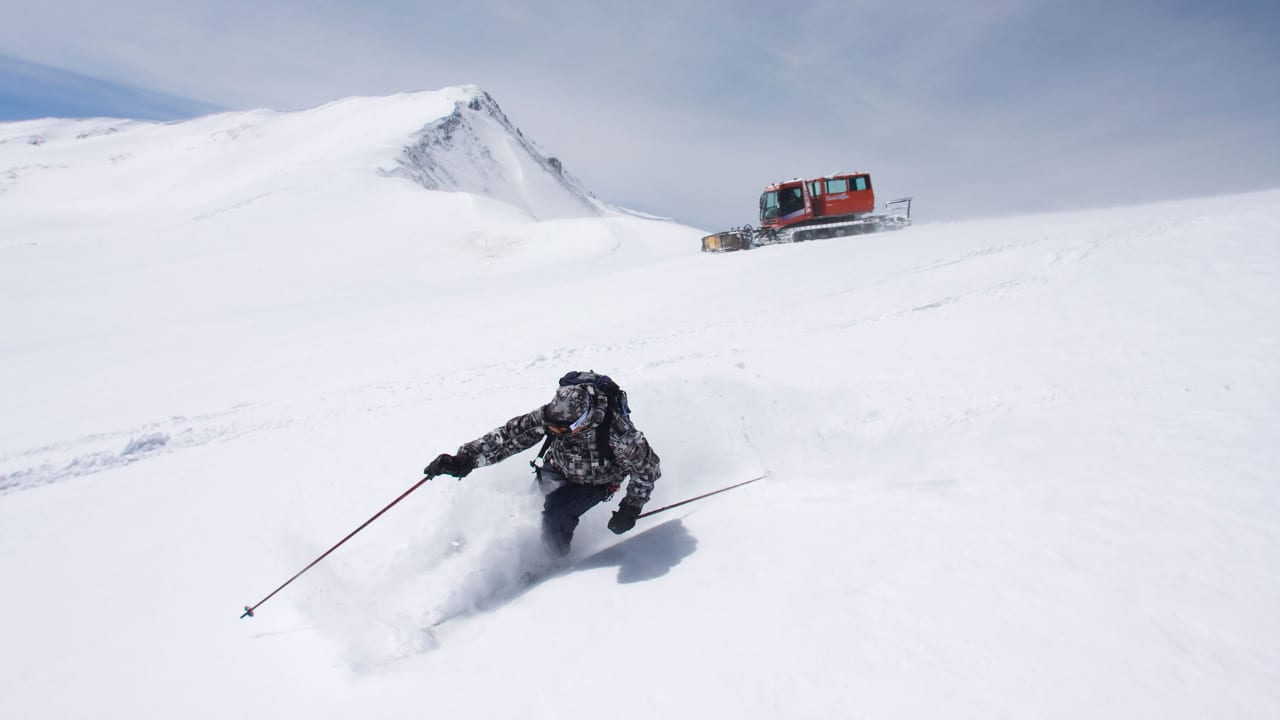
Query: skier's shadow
x,y
646,556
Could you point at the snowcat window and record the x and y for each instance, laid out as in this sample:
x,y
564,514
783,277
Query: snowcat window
x,y
838,186
815,188
792,199
769,205
860,182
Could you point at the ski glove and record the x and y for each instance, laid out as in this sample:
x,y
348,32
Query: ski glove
x,y
459,466
624,518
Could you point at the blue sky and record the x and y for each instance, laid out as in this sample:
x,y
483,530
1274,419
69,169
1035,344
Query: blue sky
x,y
689,109
29,90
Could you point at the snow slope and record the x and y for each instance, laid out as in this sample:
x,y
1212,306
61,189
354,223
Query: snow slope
x,y
1020,467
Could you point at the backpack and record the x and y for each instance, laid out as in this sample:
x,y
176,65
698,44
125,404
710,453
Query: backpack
x,y
604,386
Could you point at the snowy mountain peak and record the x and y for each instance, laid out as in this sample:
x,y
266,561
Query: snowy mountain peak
x,y
477,149
455,139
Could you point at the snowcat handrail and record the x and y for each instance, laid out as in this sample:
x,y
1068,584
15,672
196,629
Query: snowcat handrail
x,y
900,202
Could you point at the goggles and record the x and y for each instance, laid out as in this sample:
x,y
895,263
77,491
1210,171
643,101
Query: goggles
x,y
573,427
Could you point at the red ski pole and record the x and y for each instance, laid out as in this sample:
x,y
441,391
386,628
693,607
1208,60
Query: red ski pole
x,y
248,609
686,502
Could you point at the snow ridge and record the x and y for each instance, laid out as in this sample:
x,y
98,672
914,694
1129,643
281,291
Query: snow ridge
x,y
477,149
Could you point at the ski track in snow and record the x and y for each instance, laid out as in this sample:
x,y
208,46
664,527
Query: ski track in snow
x,y
109,450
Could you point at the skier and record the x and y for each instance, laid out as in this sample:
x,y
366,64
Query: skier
x,y
586,458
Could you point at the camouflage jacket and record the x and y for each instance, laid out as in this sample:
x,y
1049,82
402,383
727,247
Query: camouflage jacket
x,y
577,457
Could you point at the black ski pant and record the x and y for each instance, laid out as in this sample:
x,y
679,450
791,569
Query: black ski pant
x,y
562,508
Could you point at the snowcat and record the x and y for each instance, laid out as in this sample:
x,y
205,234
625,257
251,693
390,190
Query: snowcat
x,y
826,207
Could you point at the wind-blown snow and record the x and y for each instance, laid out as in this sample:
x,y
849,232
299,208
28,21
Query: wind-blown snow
x,y
1021,467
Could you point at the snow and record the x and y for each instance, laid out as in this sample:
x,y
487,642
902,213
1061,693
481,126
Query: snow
x,y
1015,467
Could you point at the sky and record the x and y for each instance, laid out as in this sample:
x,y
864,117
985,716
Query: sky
x,y
29,90
687,110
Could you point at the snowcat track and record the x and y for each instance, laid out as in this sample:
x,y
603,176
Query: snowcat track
x,y
747,237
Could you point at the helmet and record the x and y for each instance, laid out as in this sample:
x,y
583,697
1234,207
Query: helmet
x,y
570,406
